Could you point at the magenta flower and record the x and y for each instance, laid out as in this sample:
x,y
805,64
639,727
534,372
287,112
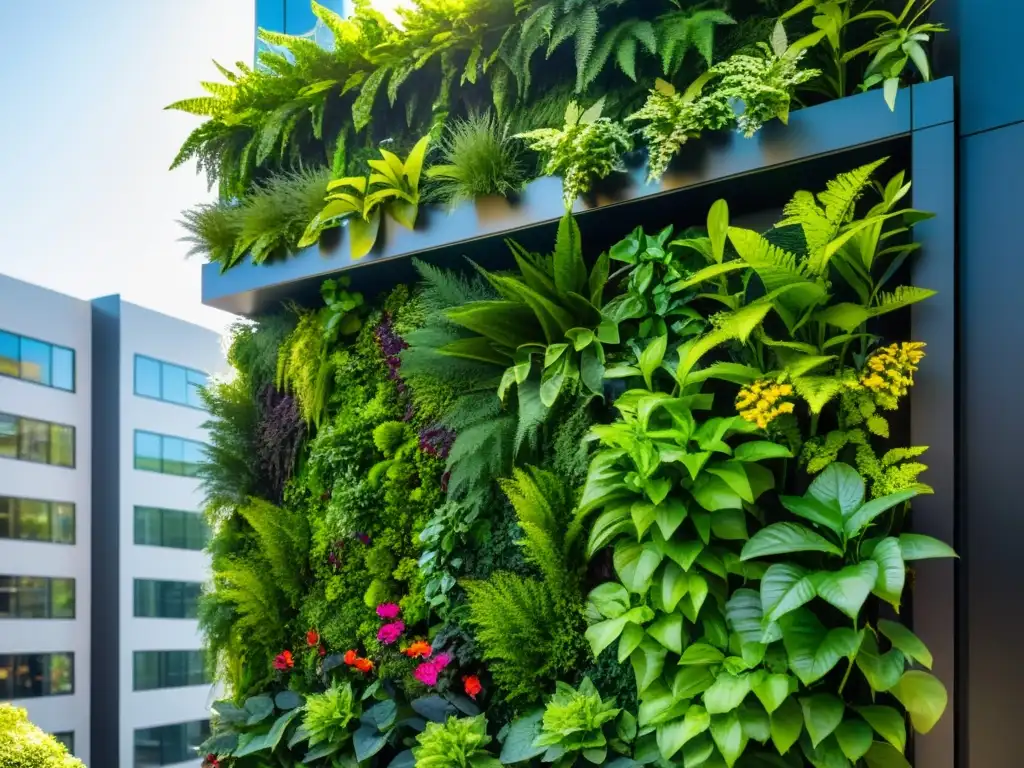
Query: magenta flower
x,y
390,633
388,611
428,671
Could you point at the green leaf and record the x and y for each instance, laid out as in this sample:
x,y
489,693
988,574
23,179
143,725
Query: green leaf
x,y
727,693
363,234
854,737
906,641
635,565
785,588
610,599
651,358
756,722
848,317
814,510
259,709
669,515
863,517
787,725
569,270
814,651
604,633
691,681
847,589
840,485
923,696
891,571
368,741
760,451
701,653
718,228
668,630
822,715
695,722
648,661
887,723
674,585
714,494
630,640
727,732
882,671
915,546
885,756
818,391
784,539
518,746
744,617
772,691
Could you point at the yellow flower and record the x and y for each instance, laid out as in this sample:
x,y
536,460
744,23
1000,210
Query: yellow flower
x,y
760,403
890,370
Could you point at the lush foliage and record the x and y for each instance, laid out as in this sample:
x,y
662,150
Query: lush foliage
x,y
452,84
23,745
561,515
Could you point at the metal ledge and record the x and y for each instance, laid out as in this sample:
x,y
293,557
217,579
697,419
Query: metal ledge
x,y
749,172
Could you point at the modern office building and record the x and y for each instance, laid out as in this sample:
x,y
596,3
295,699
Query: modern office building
x,y
100,535
295,17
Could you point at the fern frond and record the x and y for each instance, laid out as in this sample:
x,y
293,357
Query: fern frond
x,y
902,297
283,535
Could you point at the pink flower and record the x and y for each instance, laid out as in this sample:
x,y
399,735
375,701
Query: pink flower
x,y
427,672
389,633
388,610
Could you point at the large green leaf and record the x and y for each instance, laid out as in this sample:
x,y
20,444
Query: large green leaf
x,y
708,273
761,450
259,709
915,546
883,755
773,690
863,517
854,737
701,653
635,565
668,630
787,725
691,681
814,510
784,539
609,525
841,485
887,723
906,641
812,649
610,599
570,271
784,588
848,588
651,358
362,233
822,714
507,323
674,585
648,661
923,696
891,571
744,616
882,670
727,693
727,732
519,742
368,741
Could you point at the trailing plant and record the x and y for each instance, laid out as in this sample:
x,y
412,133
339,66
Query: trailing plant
x,y
478,159
587,148
392,186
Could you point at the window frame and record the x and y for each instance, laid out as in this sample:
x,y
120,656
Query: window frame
x,y
15,662
163,458
188,597
161,364
14,509
50,442
20,337
162,735
48,586
191,663
67,738
160,523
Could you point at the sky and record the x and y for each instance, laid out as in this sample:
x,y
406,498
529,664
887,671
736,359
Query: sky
x,y
87,205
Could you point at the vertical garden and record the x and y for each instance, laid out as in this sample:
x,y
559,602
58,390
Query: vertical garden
x,y
642,499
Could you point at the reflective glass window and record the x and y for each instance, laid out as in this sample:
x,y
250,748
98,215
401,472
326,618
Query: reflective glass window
x,y
35,361
10,354
147,377
63,368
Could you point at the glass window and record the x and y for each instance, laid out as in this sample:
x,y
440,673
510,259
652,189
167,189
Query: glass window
x,y
196,381
169,669
10,354
196,533
31,675
147,377
173,456
62,445
62,598
35,361
34,520
32,597
195,455
169,528
36,597
34,440
8,600
63,522
147,526
174,528
67,738
148,451
8,436
63,370
169,744
166,599
175,385
7,512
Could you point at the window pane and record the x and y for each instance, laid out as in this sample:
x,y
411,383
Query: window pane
x,y
67,738
195,381
6,677
33,597
63,522
34,441
147,377
35,361
147,670
147,451
33,520
175,388
147,526
7,511
62,670
195,531
29,674
62,445
172,600
8,599
191,600
145,598
62,598
174,455
9,356
8,436
174,529
63,368
194,455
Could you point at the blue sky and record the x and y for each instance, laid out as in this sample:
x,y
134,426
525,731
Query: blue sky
x,y
87,206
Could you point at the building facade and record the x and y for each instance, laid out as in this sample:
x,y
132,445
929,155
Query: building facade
x,y
100,438
294,17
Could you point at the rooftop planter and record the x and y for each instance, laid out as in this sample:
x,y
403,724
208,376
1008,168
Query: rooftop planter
x,y
821,139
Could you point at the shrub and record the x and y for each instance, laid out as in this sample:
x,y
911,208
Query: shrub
x,y
478,158
23,745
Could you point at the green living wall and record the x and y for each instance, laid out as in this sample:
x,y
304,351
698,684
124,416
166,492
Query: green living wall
x,y
642,506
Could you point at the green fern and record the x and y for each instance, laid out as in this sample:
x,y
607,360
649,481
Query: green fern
x,y
679,31
305,367
621,41
283,540
902,297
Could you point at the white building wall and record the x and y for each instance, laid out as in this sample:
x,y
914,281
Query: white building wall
x,y
32,311
171,341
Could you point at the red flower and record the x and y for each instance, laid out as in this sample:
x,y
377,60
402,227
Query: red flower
x,y
471,684
211,761
351,658
364,665
284,660
323,649
312,638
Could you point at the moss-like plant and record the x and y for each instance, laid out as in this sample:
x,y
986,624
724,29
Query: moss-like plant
x,y
586,148
455,743
478,159
23,745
